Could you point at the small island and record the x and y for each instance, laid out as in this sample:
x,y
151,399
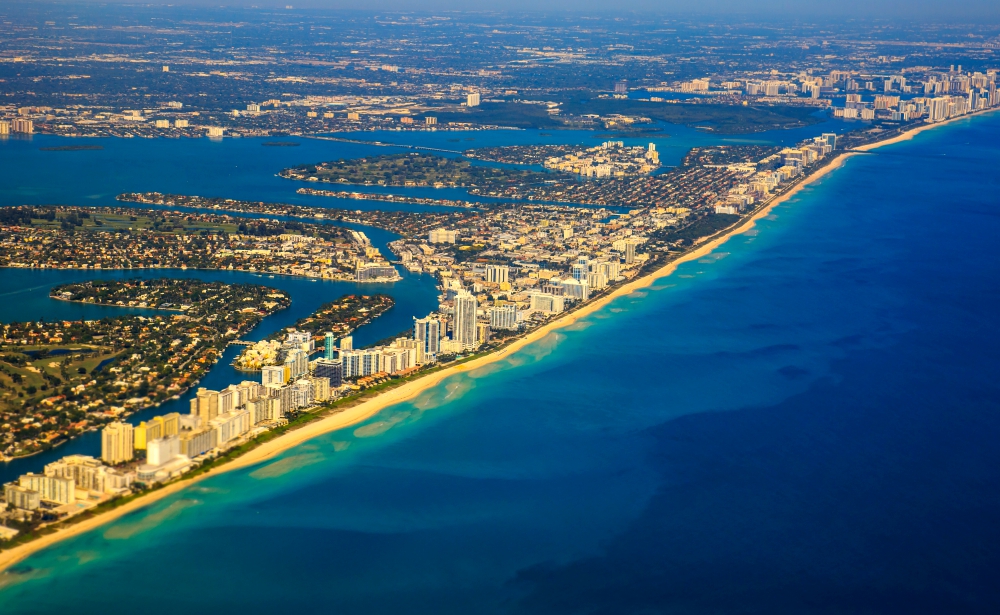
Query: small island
x,y
133,238
195,298
71,148
609,159
412,170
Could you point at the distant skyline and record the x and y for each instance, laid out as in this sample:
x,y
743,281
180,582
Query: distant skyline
x,y
912,10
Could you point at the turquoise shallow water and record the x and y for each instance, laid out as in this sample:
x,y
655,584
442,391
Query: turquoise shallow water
x,y
804,422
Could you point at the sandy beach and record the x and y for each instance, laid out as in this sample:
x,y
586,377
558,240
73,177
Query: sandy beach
x,y
909,134
410,390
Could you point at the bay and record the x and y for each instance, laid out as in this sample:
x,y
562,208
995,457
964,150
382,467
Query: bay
x,y
244,169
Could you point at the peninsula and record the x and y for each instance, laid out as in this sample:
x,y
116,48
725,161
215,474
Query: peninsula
x,y
359,406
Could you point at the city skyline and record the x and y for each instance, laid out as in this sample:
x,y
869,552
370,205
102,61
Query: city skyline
x,y
542,308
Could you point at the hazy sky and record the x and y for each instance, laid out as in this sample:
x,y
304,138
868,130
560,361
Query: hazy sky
x,y
987,10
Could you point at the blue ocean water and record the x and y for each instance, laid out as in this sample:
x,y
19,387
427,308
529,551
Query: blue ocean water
x,y
804,422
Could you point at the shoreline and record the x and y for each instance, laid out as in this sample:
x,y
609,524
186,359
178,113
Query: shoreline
x,y
410,390
913,132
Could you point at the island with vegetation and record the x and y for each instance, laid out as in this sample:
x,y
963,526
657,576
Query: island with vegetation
x,y
705,116
130,238
403,222
519,154
389,198
195,298
58,379
587,109
412,170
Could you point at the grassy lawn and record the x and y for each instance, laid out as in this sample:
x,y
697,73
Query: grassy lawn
x,y
22,377
115,222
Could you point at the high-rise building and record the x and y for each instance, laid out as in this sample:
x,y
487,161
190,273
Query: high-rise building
x,y
197,442
117,443
621,87
297,363
21,497
359,363
50,488
576,289
22,125
610,269
430,121
472,100
831,139
205,405
231,426
171,423
375,271
320,388
464,323
347,342
415,350
328,346
162,450
597,280
427,333
441,235
482,333
87,473
301,339
497,274
549,304
273,375
258,410
629,252
503,318
351,364
145,432
302,391
332,370
939,108
228,399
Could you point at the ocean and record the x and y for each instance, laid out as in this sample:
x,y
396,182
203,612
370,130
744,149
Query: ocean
x,y
804,421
